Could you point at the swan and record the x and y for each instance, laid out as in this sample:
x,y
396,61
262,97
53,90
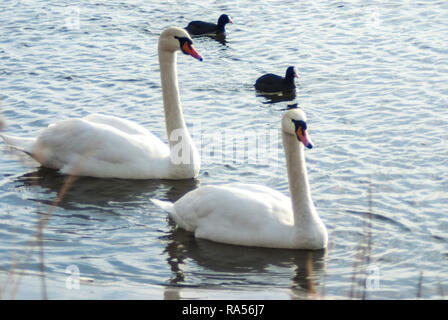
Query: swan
x,y
255,215
274,83
201,27
110,147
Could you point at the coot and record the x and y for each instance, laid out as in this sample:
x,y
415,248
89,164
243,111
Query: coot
x,y
201,27
273,83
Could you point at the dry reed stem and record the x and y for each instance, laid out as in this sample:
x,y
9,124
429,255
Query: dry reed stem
x,y
363,252
442,294
37,239
420,285
369,238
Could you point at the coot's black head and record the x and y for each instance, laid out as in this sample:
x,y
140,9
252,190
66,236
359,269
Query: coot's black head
x,y
291,73
223,20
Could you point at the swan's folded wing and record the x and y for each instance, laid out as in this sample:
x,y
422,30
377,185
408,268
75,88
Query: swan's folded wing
x,y
234,213
131,131
120,124
93,146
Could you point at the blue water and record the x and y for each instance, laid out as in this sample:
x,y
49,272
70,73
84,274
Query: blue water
x,y
372,80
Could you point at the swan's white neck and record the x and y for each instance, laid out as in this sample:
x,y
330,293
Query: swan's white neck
x,y
174,118
303,206
184,154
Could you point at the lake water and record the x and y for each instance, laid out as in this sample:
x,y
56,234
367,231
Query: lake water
x,y
373,80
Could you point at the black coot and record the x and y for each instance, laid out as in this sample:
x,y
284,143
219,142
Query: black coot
x,y
273,83
201,27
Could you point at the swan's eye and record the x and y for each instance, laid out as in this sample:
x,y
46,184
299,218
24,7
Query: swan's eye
x,y
299,124
301,133
183,40
186,46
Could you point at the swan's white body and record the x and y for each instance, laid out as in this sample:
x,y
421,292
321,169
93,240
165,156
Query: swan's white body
x,y
254,215
111,147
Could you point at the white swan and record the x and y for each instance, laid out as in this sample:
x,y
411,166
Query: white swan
x,y
254,215
110,147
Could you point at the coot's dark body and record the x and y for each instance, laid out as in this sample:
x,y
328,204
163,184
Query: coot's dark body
x,y
274,83
201,27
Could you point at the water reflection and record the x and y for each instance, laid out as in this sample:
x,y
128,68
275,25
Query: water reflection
x,y
277,96
102,192
241,266
219,37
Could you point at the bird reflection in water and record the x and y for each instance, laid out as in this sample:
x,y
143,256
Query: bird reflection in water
x,y
239,266
219,37
101,192
277,97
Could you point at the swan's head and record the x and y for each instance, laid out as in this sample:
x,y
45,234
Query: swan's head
x,y
174,39
294,123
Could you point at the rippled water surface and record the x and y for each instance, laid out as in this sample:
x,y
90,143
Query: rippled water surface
x,y
373,82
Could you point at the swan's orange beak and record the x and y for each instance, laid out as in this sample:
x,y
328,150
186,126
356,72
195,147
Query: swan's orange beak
x,y
188,49
302,135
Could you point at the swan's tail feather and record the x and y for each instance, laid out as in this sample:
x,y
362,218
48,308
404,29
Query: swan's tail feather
x,y
22,144
165,205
